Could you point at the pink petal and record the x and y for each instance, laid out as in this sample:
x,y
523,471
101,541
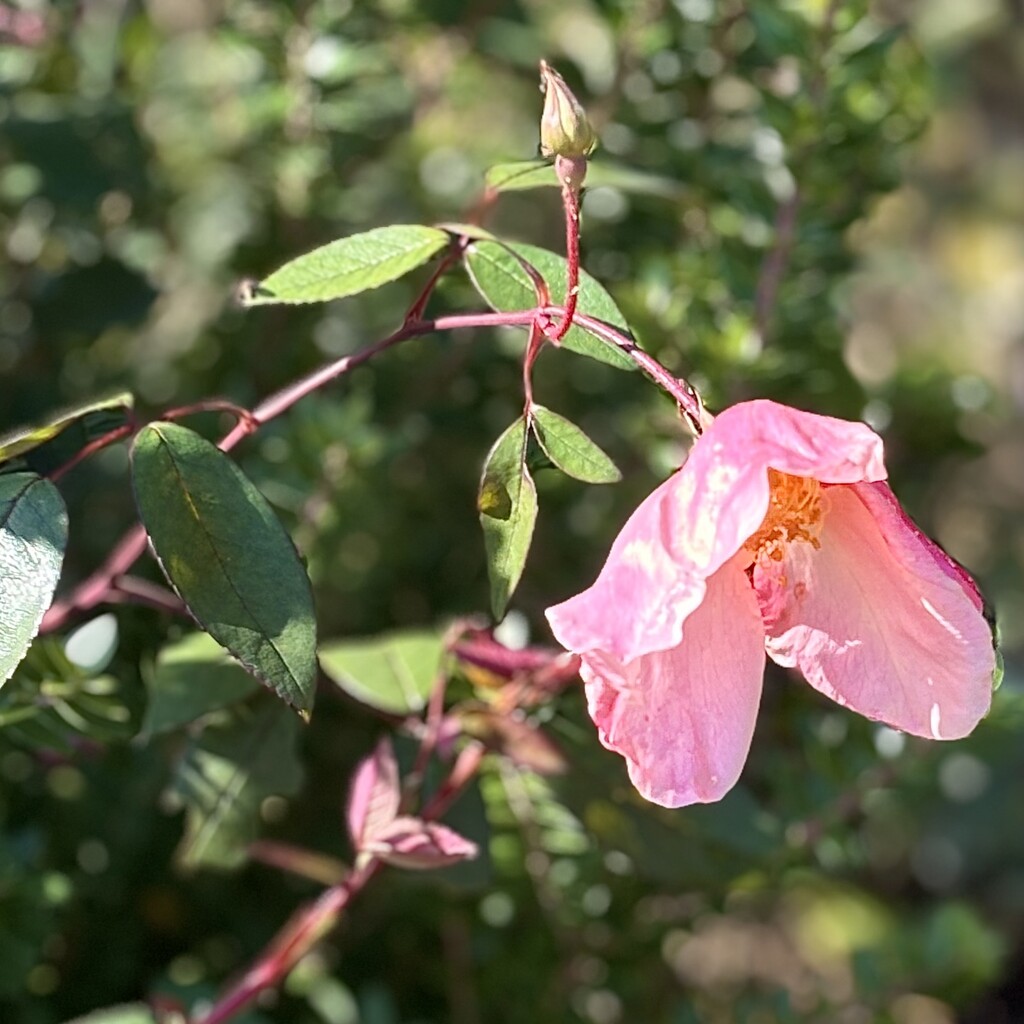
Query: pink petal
x,y
698,519
684,718
880,620
641,596
375,795
722,491
417,844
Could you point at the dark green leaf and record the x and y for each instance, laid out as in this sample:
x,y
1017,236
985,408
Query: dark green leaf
x,y
228,557
394,672
92,420
33,534
503,283
224,776
528,174
571,450
507,503
191,678
350,265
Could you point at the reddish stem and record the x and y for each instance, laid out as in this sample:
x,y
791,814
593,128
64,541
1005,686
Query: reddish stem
x,y
96,587
91,448
304,929
571,203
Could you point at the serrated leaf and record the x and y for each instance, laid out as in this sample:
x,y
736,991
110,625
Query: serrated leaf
x,y
502,282
527,174
91,420
507,504
33,535
228,557
349,265
224,776
189,679
394,672
571,450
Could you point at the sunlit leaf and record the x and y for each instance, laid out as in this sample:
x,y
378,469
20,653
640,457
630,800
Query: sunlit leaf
x,y
228,557
349,265
394,672
226,773
499,276
33,534
189,679
90,420
571,450
507,504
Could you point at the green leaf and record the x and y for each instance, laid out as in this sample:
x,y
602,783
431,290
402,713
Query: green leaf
x,y
394,672
503,283
33,535
225,775
228,557
507,504
91,420
52,704
191,678
528,174
571,450
349,265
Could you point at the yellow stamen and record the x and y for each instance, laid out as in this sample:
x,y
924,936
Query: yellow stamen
x,y
794,513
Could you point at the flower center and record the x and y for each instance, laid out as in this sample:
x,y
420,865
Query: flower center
x,y
794,513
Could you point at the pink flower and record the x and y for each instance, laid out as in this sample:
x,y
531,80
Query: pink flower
x,y
778,534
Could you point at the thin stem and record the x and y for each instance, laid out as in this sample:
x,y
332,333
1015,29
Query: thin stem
x,y
95,588
134,590
91,448
305,928
571,203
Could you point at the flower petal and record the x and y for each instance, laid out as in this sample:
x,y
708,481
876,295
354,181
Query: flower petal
x,y
722,493
879,619
640,599
697,520
683,718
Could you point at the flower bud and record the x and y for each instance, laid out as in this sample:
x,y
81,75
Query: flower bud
x,y
564,128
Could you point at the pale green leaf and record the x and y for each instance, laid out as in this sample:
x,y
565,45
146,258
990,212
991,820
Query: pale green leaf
x,y
507,504
571,450
349,265
499,276
33,535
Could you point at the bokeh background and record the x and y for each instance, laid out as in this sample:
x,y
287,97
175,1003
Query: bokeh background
x,y
839,224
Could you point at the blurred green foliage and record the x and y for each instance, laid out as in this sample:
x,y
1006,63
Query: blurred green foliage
x,y
845,235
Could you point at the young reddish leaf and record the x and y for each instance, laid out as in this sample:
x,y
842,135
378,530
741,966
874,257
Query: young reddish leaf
x,y
420,845
349,265
499,277
375,795
507,504
33,534
519,740
228,557
571,450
